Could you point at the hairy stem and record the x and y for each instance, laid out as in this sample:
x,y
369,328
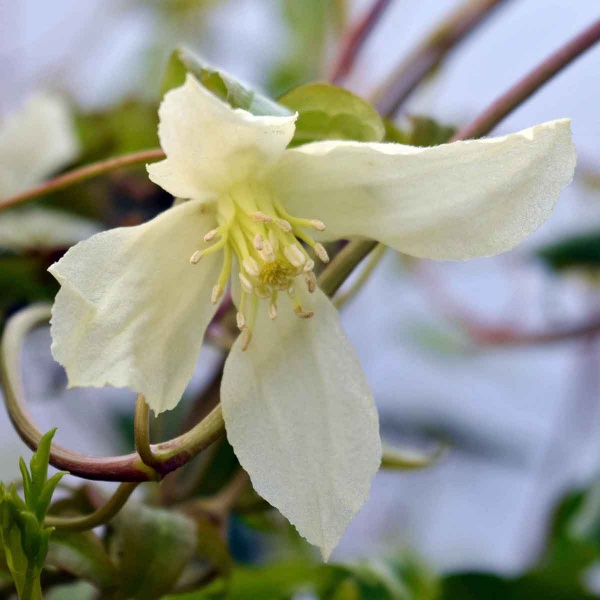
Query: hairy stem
x,y
99,517
82,174
428,55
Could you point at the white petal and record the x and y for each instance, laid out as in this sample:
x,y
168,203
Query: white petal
x,y
37,227
132,310
209,145
454,201
301,419
35,142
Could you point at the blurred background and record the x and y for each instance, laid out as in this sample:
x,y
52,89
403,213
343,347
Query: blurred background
x,y
445,345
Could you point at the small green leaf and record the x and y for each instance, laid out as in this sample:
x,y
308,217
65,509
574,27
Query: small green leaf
x,y
224,86
83,556
422,131
327,112
152,548
576,252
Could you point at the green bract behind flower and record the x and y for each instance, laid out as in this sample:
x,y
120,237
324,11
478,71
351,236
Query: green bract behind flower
x,y
132,310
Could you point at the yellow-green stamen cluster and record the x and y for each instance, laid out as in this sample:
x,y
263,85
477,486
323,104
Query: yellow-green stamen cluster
x,y
265,239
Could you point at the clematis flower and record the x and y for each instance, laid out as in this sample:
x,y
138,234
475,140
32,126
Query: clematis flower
x,y
36,141
135,302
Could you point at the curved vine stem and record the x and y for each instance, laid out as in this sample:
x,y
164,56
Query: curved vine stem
x,y
141,431
83,174
99,517
129,468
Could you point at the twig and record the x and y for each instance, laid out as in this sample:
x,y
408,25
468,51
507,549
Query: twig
x,y
355,38
129,468
141,433
354,252
82,174
531,83
99,517
427,57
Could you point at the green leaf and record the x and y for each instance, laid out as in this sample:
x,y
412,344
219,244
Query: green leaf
x,y
224,86
576,252
327,112
422,131
83,556
152,548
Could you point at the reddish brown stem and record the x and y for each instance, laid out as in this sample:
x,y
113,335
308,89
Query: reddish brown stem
x,y
427,57
355,38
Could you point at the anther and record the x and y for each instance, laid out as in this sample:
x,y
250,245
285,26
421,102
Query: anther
x,y
240,320
260,217
267,252
246,337
217,292
211,235
303,314
309,265
283,225
321,252
318,225
294,255
246,284
272,311
195,258
258,242
311,281
251,266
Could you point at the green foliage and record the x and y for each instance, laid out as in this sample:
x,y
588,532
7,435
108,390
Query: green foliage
x,y
152,548
327,112
308,23
422,131
226,87
576,252
23,536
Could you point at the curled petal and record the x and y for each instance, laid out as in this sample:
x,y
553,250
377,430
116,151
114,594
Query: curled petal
x,y
132,310
455,201
208,144
301,419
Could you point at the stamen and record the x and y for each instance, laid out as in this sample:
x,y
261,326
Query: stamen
x,y
246,338
260,217
217,292
267,253
258,242
309,266
272,311
311,281
294,255
321,252
195,258
283,225
318,225
240,320
251,266
291,291
211,235
303,314
273,240
246,284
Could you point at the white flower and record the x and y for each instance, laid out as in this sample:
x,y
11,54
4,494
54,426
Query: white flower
x,y
35,142
132,310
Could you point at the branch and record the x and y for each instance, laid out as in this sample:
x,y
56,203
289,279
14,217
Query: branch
x,y
354,40
531,83
82,174
428,56
99,517
129,468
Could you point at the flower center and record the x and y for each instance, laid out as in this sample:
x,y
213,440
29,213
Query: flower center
x,y
266,241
